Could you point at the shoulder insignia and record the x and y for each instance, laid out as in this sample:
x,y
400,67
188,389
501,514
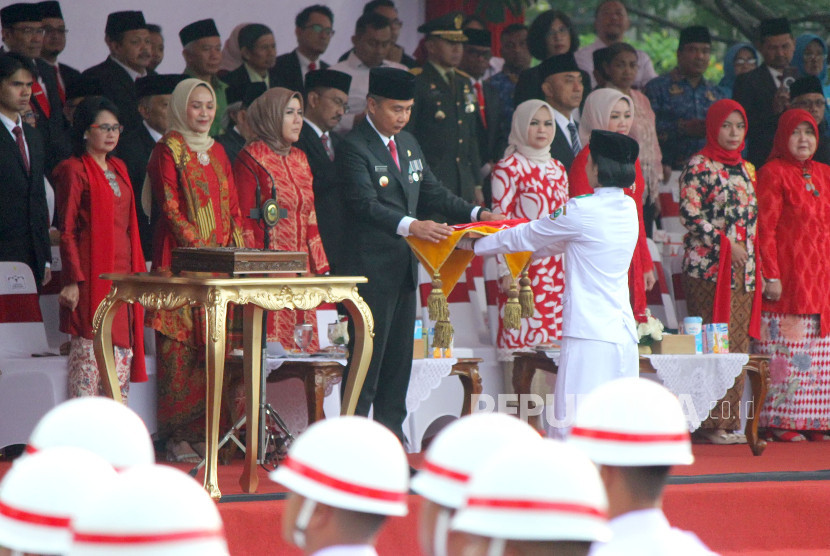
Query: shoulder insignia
x,y
463,73
558,212
750,170
416,71
675,89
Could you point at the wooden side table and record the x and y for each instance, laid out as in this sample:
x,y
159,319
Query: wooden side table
x,y
466,370
756,370
165,291
318,378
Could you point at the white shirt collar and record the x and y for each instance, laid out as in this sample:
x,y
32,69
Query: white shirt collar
x,y
383,137
153,133
350,550
563,122
304,62
313,126
9,123
355,62
131,72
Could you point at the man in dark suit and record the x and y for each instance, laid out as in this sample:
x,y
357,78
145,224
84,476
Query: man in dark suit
x,y
313,28
764,91
387,9
136,145
129,42
202,52
327,99
54,42
808,94
444,116
23,35
490,133
259,54
388,185
237,131
562,85
24,219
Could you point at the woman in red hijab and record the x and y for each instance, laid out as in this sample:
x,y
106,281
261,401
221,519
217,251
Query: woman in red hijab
x,y
794,211
719,210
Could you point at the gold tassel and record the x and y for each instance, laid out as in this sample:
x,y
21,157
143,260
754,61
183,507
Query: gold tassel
x,y
526,296
437,306
513,309
443,334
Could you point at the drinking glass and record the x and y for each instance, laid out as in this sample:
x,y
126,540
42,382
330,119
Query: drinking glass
x,y
302,336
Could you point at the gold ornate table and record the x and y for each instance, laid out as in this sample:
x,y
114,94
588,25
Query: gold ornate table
x,y
166,291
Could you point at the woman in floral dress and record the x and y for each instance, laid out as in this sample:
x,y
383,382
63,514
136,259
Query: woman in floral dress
x,y
276,118
717,205
194,192
529,183
794,211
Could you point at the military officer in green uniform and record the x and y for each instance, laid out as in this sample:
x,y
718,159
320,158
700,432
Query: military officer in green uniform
x,y
445,111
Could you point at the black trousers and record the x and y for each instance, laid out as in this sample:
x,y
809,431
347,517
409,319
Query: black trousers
x,y
387,379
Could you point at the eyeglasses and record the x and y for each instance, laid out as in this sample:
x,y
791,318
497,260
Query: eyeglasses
x,y
746,62
815,57
317,28
55,30
561,32
807,104
106,128
29,31
339,103
396,22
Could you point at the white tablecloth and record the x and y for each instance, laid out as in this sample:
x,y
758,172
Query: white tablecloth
x,y
426,376
698,381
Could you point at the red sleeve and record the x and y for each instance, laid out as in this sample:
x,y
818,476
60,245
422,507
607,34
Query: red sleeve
x,y
245,181
70,182
167,196
770,204
578,177
642,240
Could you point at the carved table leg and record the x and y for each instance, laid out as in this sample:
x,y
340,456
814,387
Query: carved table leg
x,y
470,379
315,393
252,366
758,373
523,370
215,313
102,344
364,330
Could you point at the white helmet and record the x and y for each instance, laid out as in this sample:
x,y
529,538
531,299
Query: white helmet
x,y
632,422
536,491
348,462
100,425
461,448
150,510
43,492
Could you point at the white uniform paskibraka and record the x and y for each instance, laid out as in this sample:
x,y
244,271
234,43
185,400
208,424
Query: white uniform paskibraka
x,y
597,233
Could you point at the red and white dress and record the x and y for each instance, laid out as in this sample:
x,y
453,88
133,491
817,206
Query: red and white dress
x,y
524,189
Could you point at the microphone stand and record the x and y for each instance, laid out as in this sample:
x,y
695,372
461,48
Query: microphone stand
x,y
267,214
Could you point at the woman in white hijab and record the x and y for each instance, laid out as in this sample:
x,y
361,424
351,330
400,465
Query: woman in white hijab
x,y
529,183
193,191
611,110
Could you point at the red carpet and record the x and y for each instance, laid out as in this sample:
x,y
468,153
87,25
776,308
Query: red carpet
x,y
757,518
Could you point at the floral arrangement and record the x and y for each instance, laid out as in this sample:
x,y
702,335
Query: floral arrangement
x,y
650,331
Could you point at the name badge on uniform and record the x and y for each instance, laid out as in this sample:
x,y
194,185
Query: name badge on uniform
x,y
381,169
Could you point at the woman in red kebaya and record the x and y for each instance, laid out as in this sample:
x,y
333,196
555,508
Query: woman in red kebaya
x,y
193,190
611,110
276,118
794,229
719,210
99,234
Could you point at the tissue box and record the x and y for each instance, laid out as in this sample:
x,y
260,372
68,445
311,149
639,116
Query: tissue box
x,y
674,343
716,338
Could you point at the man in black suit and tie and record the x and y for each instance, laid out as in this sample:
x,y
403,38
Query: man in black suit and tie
x,y
24,218
388,184
489,131
259,56
237,130
136,145
764,91
128,39
327,99
313,28
23,35
202,52
563,87
54,42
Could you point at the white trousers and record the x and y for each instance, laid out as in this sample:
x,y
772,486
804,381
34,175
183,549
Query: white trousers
x,y
584,365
